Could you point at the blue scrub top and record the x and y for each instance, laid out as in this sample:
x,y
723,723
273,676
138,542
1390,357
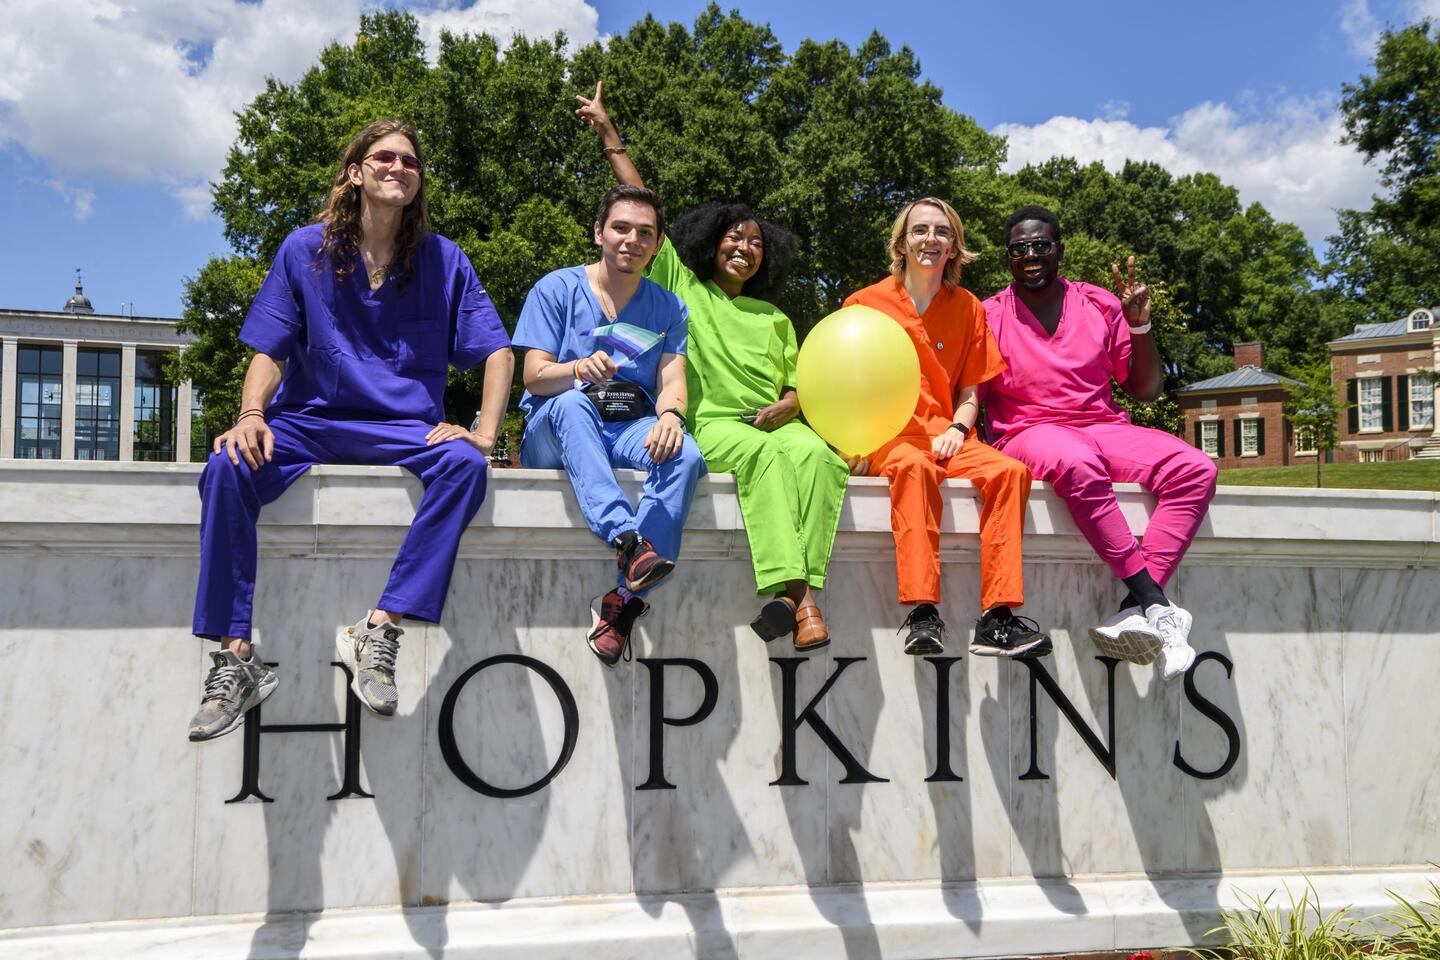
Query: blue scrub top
x,y
561,307
382,354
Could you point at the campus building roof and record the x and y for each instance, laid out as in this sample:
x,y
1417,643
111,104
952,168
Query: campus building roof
x,y
1246,376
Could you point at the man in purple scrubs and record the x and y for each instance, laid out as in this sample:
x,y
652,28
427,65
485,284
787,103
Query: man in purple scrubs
x,y
355,327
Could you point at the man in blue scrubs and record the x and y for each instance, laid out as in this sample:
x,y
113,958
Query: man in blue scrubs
x,y
605,388
355,327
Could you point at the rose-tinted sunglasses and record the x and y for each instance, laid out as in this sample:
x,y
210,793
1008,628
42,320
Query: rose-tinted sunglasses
x,y
387,157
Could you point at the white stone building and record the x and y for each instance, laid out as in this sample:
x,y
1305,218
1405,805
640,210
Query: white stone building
x,y
80,385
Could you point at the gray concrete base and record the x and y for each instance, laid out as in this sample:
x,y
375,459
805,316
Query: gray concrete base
x,y
892,921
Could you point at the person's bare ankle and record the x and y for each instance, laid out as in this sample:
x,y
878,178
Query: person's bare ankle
x,y
239,646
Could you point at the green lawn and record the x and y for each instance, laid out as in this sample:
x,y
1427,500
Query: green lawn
x,y
1400,475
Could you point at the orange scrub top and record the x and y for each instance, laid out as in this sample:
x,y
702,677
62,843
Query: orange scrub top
x,y
953,342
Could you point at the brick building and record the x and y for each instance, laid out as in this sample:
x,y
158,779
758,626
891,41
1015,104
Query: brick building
x,y
1378,368
1238,418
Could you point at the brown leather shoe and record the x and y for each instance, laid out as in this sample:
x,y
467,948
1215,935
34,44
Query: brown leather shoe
x,y
810,632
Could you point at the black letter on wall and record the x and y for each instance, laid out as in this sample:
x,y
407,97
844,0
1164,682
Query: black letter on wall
x,y
1232,733
790,725
658,720
451,751
250,770
1104,752
943,773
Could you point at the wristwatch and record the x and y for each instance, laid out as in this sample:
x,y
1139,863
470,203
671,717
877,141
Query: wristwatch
x,y
680,414
964,430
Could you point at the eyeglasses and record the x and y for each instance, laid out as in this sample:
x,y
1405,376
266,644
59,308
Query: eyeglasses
x,y
921,231
1022,248
387,157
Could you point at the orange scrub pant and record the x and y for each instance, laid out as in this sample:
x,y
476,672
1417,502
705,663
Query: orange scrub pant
x,y
915,505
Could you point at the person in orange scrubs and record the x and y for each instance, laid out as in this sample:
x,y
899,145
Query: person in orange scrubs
x,y
957,354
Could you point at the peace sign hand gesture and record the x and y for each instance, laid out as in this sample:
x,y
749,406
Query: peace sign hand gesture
x,y
592,111
1134,297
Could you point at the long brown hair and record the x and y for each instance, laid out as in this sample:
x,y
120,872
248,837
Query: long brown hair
x,y
341,213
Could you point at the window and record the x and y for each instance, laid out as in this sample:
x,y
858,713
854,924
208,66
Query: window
x,y
1372,456
1422,402
1421,320
1249,401
201,439
1305,440
1249,437
1210,437
154,409
1371,403
37,415
97,405
1207,404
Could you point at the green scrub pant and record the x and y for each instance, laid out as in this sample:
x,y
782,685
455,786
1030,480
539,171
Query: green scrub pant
x,y
791,486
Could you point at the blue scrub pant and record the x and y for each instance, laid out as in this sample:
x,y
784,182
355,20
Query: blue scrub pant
x,y
453,473
568,432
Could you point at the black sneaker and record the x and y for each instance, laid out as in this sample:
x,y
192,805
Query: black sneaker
x,y
926,631
999,633
639,562
613,617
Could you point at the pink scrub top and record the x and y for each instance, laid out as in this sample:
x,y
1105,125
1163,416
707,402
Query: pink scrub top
x,y
1063,378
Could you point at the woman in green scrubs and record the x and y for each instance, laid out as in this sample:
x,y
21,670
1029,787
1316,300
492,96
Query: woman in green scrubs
x,y
727,265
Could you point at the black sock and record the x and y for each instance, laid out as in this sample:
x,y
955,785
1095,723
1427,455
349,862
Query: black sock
x,y
626,541
997,612
1145,591
1129,601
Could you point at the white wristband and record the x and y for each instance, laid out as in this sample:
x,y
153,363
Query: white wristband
x,y
1143,328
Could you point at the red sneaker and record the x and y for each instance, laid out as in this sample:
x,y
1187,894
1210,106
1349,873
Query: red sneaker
x,y
641,565
611,624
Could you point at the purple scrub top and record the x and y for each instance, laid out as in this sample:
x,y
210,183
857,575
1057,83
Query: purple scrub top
x,y
381,354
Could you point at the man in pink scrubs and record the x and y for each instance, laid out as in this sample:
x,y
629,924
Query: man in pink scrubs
x,y
1052,410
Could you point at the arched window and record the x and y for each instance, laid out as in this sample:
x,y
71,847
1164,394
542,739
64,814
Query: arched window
x,y
1421,320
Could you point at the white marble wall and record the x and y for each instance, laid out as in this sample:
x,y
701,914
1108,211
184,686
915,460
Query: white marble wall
x,y
111,814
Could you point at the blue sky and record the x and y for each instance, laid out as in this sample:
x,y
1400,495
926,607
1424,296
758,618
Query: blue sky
x,y
111,123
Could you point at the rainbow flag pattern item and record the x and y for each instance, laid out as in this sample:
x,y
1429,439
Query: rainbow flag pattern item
x,y
626,339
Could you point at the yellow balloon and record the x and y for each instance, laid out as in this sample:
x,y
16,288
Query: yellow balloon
x,y
858,379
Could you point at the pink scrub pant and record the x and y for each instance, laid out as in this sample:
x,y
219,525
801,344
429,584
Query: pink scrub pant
x,y
1081,463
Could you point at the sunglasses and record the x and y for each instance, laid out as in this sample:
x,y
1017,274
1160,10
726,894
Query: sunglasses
x,y
1022,248
387,157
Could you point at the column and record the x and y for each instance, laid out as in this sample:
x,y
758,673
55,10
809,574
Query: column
x,y
127,402
182,422
9,383
1434,384
70,349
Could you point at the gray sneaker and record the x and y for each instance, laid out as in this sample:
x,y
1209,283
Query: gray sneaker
x,y
232,687
369,654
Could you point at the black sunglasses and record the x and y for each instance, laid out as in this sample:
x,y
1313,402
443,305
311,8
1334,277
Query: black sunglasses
x,y
387,157
1021,248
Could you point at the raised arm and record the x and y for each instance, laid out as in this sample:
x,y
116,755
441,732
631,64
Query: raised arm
x,y
1145,380
592,111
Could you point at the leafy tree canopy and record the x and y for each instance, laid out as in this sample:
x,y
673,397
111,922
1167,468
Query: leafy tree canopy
x,y
825,139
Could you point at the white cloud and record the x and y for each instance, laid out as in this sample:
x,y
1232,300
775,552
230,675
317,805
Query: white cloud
x,y
146,90
82,201
1288,157
1360,27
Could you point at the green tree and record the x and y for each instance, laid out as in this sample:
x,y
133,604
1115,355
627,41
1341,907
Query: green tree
x,y
1382,260
828,140
1313,407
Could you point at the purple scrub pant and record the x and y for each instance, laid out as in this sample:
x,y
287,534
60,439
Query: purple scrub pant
x,y
453,473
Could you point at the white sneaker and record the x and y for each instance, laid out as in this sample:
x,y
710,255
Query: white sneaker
x,y
1127,635
1173,625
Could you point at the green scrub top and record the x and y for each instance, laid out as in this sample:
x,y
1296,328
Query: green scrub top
x,y
742,351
